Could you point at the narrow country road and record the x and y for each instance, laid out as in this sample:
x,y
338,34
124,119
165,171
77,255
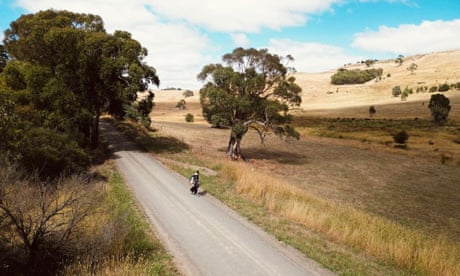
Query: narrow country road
x,y
204,236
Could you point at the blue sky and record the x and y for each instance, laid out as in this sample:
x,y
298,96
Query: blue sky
x,y
184,35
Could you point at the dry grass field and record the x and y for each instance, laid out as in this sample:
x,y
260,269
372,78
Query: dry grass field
x,y
344,157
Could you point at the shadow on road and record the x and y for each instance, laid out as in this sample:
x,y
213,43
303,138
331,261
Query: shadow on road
x,y
125,137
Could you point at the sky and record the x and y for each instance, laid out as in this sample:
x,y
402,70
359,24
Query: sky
x,y
182,36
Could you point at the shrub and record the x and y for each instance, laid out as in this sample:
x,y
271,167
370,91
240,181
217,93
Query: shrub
x,y
372,110
433,89
401,137
404,95
180,104
187,93
443,87
396,91
42,220
440,108
189,118
52,153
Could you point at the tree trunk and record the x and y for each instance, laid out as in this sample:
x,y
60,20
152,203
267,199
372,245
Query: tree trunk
x,y
234,148
95,131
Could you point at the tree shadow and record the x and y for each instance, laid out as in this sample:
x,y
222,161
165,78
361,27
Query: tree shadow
x,y
120,136
280,156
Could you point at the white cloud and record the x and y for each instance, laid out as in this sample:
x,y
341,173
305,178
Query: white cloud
x,y
407,39
240,40
242,15
173,31
311,57
176,50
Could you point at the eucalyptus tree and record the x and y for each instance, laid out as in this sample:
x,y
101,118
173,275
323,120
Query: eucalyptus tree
x,y
74,70
64,71
252,89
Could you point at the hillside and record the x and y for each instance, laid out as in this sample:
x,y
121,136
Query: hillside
x,y
433,69
320,95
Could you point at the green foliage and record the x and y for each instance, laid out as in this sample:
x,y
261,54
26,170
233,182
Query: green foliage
x,y
372,110
52,153
64,72
404,95
440,108
189,118
3,57
399,60
145,106
433,89
396,91
252,90
412,68
443,87
401,137
181,104
344,76
188,93
68,62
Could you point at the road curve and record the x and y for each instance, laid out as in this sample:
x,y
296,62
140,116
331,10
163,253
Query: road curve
x,y
204,236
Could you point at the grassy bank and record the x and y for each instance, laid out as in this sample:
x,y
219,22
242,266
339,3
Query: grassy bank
x,y
125,244
387,241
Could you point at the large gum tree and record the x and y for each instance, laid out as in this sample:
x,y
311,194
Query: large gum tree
x,y
72,70
252,89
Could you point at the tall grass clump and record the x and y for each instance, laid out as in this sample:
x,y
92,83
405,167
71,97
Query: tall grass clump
x,y
390,242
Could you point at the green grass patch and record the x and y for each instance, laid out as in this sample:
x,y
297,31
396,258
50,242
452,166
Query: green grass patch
x,y
139,242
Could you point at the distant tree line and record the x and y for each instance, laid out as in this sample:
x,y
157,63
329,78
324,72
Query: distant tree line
x,y
356,76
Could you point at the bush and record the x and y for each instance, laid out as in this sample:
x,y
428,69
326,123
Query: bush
x,y
440,108
189,118
433,89
401,137
42,221
443,87
396,91
404,95
52,153
344,76
188,93
372,110
180,104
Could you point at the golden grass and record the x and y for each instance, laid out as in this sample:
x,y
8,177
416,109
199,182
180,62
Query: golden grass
x,y
128,265
381,238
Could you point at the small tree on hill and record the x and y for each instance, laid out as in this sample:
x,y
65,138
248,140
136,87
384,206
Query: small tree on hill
x,y
440,108
399,60
412,68
372,110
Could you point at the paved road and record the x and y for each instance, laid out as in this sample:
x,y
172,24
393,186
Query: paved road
x,y
204,236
